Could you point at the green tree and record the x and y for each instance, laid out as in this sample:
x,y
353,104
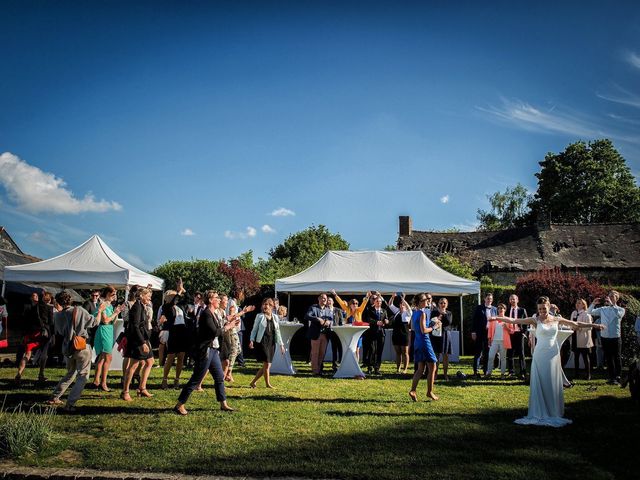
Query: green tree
x,y
453,265
509,209
586,183
299,251
196,274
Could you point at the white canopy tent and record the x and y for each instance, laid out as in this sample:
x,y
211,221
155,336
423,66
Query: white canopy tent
x,y
387,272
90,265
410,272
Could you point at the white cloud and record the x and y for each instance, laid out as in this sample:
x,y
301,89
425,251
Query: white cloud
x,y
282,212
136,261
248,233
36,191
444,199
632,59
187,232
621,95
267,229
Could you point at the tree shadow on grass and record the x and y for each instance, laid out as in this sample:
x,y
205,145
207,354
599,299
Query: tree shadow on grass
x,y
293,399
484,445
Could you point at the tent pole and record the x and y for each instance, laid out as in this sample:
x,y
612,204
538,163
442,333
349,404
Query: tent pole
x,y
4,284
461,326
289,306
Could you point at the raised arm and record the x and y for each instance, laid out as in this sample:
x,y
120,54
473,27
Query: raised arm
x,y
576,325
340,301
519,321
363,305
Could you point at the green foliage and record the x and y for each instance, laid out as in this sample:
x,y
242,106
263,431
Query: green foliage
x,y
453,265
586,183
562,288
196,274
501,293
390,248
23,433
630,348
298,252
508,210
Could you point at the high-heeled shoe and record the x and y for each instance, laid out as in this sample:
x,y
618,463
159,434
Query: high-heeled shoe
x,y
126,397
413,396
144,393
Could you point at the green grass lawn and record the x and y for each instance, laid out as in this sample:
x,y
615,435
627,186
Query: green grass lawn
x,y
320,427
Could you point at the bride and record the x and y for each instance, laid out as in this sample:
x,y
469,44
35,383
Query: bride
x,y
546,396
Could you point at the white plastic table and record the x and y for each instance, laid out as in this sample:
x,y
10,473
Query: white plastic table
x,y
282,363
349,335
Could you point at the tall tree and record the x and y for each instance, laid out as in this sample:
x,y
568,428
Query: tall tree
x,y
587,183
509,209
299,251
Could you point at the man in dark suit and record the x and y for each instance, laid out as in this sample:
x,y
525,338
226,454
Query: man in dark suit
x,y
93,303
337,316
479,336
320,319
517,339
373,339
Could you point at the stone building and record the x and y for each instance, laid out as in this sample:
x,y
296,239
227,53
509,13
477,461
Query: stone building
x,y
608,253
10,253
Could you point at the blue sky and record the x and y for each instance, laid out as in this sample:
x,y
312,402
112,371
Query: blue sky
x,y
204,129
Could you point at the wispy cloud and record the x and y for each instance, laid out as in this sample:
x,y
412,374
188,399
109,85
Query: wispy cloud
x,y
621,95
187,232
467,226
267,229
633,59
444,199
36,191
524,115
554,119
282,212
249,232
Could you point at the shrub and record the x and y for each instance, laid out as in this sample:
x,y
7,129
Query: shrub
x,y
630,348
561,287
196,274
23,433
453,265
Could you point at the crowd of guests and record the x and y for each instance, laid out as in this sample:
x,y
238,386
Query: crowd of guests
x,y
204,330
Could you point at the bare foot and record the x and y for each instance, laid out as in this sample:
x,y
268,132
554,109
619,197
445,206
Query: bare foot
x,y
413,395
433,396
270,386
252,385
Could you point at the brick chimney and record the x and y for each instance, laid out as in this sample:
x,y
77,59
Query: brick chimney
x,y
406,226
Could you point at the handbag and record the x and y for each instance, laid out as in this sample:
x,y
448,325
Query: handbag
x,y
78,343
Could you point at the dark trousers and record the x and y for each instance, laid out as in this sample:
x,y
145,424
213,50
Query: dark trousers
x,y
240,357
336,348
481,353
372,346
209,363
516,351
586,358
612,356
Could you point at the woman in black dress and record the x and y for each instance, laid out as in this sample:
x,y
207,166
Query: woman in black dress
x,y
440,339
401,323
138,349
265,334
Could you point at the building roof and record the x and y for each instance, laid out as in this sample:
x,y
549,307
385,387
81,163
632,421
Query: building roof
x,y
593,246
10,253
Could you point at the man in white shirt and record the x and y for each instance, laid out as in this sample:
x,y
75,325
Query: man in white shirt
x,y
610,315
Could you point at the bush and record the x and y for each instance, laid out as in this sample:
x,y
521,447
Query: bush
x,y
196,274
562,288
23,433
453,265
630,348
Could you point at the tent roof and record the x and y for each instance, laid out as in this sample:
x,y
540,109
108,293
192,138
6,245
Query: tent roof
x,y
92,264
387,272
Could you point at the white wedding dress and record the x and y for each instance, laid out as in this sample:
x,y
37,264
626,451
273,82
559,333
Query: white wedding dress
x,y
546,397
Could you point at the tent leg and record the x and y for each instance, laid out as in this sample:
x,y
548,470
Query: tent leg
x,y
289,307
4,284
461,326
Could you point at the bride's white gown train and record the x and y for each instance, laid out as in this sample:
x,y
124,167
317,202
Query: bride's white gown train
x,y
546,396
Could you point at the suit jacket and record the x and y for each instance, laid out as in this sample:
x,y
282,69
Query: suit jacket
x,y
520,313
479,320
314,316
372,319
88,306
137,333
209,328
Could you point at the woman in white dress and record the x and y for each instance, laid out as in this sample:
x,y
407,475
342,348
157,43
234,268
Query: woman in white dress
x,y
546,396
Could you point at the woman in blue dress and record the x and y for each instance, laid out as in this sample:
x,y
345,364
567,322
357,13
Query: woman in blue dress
x,y
423,353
